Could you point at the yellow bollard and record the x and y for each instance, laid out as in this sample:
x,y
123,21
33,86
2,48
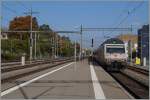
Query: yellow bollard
x,y
137,62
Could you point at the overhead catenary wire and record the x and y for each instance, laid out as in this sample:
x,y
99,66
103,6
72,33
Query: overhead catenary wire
x,y
119,17
121,14
23,5
9,9
129,13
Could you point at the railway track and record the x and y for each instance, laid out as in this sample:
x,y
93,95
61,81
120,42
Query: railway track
x,y
134,80
138,70
19,63
27,62
10,74
137,86
18,67
138,90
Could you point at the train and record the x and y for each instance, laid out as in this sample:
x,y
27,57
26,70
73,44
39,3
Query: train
x,y
111,54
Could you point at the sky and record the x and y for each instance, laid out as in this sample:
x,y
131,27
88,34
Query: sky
x,y
69,15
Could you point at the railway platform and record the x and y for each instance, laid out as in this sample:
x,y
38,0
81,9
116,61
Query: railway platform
x,y
73,80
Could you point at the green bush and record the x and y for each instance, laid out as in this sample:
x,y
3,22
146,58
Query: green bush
x,y
13,49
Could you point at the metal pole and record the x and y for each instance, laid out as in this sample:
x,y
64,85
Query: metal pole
x,y
39,48
75,55
131,51
52,47
55,45
131,46
81,43
58,47
31,40
35,46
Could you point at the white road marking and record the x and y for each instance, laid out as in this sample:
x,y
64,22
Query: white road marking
x,y
99,94
32,80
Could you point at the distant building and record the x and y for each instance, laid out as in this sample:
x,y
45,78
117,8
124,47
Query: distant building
x,y
143,43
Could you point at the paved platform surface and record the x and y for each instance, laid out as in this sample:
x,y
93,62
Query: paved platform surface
x,y
79,80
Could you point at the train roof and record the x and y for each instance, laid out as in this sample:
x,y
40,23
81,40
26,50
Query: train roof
x,y
113,41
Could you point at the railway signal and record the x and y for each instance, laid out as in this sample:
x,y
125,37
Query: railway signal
x,y
92,42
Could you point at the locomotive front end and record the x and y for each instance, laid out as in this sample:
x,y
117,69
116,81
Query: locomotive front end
x,y
115,55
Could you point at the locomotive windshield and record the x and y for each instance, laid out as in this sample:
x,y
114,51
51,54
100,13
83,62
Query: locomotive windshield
x,y
115,50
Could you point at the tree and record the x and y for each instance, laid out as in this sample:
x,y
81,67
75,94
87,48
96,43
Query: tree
x,y
22,23
45,27
48,31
